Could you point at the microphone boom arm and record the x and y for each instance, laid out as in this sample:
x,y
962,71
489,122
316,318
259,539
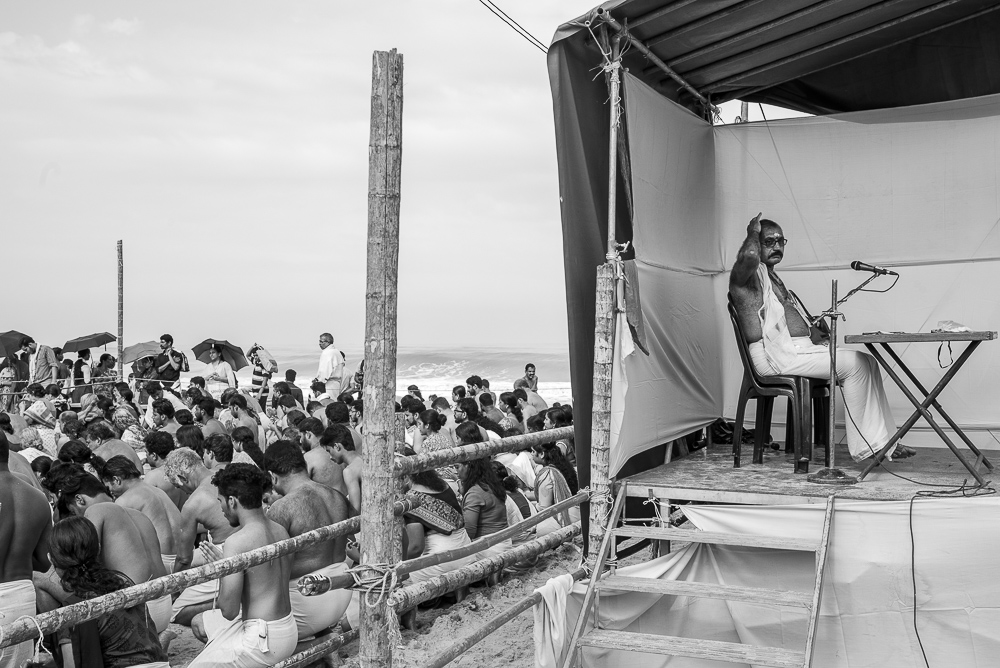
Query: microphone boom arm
x,y
833,312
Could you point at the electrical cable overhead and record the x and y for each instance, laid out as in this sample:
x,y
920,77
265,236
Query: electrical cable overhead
x,y
514,25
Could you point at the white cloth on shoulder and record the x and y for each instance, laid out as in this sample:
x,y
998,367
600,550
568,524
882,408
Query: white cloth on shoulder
x,y
245,643
17,599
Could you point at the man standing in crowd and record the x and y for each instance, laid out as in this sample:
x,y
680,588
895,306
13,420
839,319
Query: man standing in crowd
x,y
46,368
253,625
331,365
25,524
186,470
295,390
530,378
168,362
306,505
475,385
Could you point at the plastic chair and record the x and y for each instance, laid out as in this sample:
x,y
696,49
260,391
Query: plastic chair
x,y
797,389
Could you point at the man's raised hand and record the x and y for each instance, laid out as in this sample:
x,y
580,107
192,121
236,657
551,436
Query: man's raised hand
x,y
754,226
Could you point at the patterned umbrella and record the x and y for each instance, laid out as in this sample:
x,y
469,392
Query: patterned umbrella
x,y
230,353
139,351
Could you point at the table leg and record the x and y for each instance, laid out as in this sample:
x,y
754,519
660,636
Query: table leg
x,y
921,411
937,406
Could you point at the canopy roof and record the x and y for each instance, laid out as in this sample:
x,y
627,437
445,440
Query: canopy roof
x,y
820,57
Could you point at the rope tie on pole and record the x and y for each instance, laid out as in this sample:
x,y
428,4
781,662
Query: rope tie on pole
x,y
39,647
373,579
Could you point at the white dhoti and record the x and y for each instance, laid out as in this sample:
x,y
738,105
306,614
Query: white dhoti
x,y
161,612
435,542
168,562
868,416
206,592
315,613
17,599
250,643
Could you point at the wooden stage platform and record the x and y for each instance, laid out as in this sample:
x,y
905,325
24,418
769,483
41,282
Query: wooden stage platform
x,y
708,475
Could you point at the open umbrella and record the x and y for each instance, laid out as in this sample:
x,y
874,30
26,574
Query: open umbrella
x,y
139,351
10,342
89,341
230,353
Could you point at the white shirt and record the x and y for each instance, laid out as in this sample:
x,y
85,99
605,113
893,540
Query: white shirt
x,y
331,365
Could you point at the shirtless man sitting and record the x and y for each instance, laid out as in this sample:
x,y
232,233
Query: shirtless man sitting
x,y
129,543
186,470
25,524
100,438
306,505
321,468
128,489
159,444
339,445
253,626
775,325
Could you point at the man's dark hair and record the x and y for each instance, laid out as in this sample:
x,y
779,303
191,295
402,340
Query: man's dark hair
x,y
25,341
337,412
411,404
164,408
440,402
287,401
100,431
191,436
474,381
312,425
244,481
458,391
119,466
536,423
198,382
486,384
471,408
290,375
521,394
295,417
184,417
36,390
347,398
221,447
4,448
207,406
468,432
160,443
282,387
337,433
529,365
239,400
313,406
166,337
153,387
72,428
485,399
284,457
53,390
242,435
318,387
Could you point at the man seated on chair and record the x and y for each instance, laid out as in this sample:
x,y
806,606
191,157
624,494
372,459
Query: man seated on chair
x,y
778,338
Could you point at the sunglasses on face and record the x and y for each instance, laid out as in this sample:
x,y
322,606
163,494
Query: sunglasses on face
x,y
771,242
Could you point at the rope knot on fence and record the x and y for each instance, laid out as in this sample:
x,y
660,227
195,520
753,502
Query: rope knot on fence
x,y
372,579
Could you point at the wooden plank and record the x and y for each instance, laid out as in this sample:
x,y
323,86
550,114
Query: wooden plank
x,y
797,599
817,598
714,650
918,337
743,540
720,495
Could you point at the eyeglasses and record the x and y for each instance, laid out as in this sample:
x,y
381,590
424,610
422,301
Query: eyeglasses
x,y
771,242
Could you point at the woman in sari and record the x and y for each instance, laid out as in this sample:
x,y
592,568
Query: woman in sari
x,y
105,375
555,482
218,375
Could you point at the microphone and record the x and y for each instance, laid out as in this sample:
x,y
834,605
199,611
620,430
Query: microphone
x,y
881,271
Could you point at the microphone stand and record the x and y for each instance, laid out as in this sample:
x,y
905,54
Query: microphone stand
x,y
833,475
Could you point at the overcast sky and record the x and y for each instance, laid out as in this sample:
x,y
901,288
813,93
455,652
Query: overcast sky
x,y
226,143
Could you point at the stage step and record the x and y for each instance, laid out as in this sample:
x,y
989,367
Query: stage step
x,y
694,647
695,536
701,589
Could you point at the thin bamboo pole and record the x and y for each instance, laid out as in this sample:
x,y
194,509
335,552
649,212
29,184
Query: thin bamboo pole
x,y
614,84
25,629
464,453
346,580
459,648
407,597
121,309
318,650
378,624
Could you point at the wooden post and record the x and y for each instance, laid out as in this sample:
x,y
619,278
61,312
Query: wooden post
x,y
600,429
379,629
121,310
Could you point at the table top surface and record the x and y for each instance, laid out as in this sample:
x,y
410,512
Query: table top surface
x,y
918,337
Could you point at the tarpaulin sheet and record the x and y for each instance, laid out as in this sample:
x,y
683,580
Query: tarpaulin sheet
x,y
915,188
866,616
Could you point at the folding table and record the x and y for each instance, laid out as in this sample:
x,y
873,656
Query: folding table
x,y
930,398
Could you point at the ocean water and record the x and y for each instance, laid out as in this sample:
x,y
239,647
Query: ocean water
x,y
437,370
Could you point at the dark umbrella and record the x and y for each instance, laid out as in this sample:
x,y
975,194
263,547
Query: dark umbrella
x,y
10,342
230,353
89,341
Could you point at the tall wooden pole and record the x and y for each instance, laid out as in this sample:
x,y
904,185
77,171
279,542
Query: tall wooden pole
x,y
379,629
604,333
121,309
